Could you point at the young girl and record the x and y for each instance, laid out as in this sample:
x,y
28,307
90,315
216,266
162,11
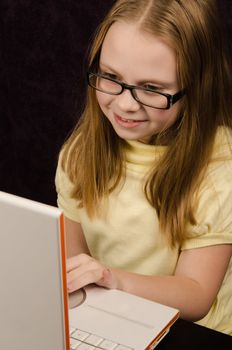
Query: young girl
x,y
145,180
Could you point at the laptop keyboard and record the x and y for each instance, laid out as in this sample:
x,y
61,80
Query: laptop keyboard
x,y
82,340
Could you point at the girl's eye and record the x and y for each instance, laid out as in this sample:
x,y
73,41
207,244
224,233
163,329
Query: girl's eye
x,y
151,87
109,75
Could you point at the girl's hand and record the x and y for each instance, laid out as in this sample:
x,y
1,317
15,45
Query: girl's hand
x,y
83,270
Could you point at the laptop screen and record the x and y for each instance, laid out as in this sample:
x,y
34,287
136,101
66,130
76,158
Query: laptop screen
x,y
33,300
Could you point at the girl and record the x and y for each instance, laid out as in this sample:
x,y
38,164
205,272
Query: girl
x,y
145,180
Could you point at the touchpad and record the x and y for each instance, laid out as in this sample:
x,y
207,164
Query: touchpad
x,y
76,298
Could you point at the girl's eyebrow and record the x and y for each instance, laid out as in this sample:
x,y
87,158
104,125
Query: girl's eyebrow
x,y
105,66
159,84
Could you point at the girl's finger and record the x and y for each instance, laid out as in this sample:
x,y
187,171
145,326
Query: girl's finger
x,y
76,261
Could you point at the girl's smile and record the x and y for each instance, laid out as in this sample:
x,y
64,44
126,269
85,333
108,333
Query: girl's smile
x,y
128,123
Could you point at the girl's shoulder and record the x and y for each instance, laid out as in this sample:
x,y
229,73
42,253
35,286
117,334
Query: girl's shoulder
x,y
223,142
219,170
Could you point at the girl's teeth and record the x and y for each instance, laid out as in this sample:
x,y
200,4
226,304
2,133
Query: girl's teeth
x,y
127,120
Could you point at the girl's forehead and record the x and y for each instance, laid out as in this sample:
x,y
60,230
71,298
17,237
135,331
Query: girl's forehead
x,y
131,51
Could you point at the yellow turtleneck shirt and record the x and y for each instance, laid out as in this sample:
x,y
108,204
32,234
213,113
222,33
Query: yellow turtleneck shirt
x,y
127,234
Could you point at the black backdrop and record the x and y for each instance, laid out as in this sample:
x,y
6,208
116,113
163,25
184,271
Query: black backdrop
x,y
43,47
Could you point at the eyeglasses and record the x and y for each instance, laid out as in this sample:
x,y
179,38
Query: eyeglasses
x,y
146,96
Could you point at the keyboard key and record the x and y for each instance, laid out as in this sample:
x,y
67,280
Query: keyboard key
x,y
74,343
85,346
94,340
80,335
108,345
122,347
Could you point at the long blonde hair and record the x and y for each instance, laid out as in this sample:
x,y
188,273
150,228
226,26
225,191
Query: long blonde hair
x,y
93,155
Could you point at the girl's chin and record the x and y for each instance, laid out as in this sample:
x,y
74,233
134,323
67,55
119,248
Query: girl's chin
x,y
125,135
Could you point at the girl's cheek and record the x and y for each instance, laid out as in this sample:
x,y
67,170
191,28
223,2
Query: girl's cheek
x,y
104,100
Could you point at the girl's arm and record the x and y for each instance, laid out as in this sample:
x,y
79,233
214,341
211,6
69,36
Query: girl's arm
x,y
192,289
194,286
75,240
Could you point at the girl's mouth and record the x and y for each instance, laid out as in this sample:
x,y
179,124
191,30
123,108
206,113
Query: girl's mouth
x,y
127,123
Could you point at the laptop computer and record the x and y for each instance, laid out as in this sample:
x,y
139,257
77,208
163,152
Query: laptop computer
x,y
35,310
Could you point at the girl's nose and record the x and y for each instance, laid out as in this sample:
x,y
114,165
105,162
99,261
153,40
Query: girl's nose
x,y
126,102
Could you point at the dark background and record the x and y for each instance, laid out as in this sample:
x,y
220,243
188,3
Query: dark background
x,y
43,46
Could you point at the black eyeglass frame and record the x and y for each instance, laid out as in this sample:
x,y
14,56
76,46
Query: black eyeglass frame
x,y
171,99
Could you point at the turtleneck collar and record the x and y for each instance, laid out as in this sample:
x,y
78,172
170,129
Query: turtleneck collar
x,y
141,154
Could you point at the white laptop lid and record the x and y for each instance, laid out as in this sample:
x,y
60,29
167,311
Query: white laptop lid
x,y
33,304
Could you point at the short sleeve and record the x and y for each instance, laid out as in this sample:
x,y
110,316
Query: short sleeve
x,y
64,186
214,210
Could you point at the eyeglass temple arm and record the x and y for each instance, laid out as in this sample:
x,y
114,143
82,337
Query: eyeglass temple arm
x,y
177,96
